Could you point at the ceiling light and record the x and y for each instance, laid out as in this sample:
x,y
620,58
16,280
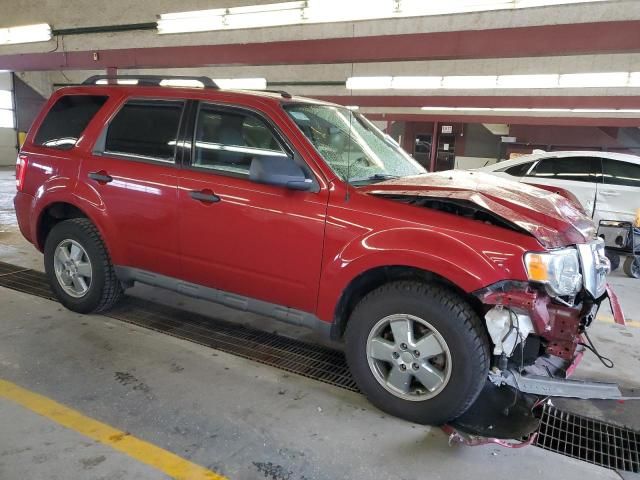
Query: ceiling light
x,y
127,81
634,79
533,110
241,83
369,83
326,11
595,80
352,107
416,83
25,34
528,81
470,81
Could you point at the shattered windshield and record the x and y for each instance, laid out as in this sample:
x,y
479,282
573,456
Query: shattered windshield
x,y
352,146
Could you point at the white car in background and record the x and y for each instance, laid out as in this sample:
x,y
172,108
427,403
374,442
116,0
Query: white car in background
x,y
606,184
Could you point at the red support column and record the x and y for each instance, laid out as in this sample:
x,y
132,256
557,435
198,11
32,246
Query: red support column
x,y
434,148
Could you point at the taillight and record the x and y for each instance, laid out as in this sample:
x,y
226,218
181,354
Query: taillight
x,y
21,170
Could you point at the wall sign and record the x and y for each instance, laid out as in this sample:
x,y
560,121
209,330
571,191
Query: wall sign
x,y
447,128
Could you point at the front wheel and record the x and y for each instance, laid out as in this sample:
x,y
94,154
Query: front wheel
x,y
632,266
417,351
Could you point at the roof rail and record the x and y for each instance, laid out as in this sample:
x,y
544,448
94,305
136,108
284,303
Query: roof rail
x,y
151,80
283,93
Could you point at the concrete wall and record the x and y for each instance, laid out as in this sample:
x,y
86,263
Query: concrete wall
x,y
8,136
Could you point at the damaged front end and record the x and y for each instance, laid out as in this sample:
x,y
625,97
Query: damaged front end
x,y
539,328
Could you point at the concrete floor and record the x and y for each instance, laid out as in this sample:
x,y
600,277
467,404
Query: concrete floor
x,y
236,417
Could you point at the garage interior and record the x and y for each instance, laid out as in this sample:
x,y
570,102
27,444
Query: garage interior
x,y
459,85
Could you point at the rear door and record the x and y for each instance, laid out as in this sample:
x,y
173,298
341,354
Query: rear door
x,y
133,169
259,241
576,174
619,192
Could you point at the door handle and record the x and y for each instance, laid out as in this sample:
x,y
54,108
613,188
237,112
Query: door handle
x,y
206,196
610,193
101,177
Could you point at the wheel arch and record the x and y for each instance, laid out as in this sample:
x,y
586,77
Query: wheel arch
x,y
373,278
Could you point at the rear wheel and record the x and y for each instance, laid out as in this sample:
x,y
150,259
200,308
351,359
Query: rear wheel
x,y
417,351
78,267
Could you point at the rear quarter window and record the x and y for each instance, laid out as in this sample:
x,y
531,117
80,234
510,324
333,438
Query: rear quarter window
x,y
67,119
517,170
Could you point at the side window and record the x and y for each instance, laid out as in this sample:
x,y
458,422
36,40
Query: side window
x,y
228,140
67,119
578,169
147,129
617,172
518,170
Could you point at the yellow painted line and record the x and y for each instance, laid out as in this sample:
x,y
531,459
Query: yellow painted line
x,y
609,319
174,466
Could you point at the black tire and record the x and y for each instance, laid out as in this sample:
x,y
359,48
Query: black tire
x,y
632,267
105,288
454,320
614,258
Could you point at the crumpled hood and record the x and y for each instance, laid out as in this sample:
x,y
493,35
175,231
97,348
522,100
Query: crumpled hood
x,y
549,217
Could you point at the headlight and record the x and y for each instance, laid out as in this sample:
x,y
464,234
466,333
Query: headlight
x,y
558,270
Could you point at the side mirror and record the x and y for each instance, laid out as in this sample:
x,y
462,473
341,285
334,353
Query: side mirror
x,y
279,171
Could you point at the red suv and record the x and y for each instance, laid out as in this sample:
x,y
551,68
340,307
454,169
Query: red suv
x,y
306,212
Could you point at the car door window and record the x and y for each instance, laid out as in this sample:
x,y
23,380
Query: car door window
x,y
517,170
577,169
228,140
145,129
617,172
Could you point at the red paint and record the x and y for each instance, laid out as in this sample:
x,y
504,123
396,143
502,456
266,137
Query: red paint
x,y
545,40
293,248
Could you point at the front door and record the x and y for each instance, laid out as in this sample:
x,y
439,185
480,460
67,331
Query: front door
x,y
255,240
133,170
619,192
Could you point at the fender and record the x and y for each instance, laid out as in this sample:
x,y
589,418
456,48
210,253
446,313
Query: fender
x,y
84,198
468,261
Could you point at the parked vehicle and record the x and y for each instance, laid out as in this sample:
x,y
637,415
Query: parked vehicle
x,y
304,211
606,184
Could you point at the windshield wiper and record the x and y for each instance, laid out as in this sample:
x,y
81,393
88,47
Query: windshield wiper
x,y
373,178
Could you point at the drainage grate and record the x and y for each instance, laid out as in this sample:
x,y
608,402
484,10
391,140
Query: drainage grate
x,y
590,440
572,435
313,361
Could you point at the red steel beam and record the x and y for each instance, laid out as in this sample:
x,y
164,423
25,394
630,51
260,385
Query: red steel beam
x,y
509,120
545,40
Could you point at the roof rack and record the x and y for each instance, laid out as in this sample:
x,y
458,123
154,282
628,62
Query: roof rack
x,y
283,93
151,80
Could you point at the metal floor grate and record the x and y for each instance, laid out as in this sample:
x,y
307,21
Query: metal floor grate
x,y
590,440
313,361
572,435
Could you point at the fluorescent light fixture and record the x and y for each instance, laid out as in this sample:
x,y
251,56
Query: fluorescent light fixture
x,y
528,81
532,110
352,107
6,100
327,11
369,83
6,118
178,82
241,83
594,80
465,82
416,83
123,81
25,34
634,79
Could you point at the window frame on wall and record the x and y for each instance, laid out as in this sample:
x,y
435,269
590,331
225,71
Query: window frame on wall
x,y
101,149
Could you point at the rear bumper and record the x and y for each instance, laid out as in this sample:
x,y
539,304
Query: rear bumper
x,y
23,204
